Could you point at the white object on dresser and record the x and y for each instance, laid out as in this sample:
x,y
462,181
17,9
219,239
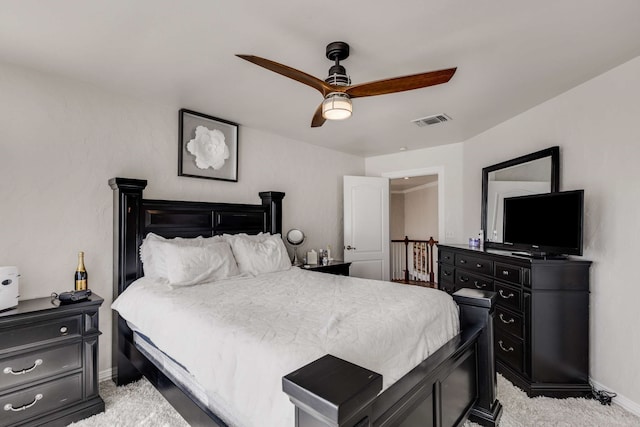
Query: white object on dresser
x,y
9,287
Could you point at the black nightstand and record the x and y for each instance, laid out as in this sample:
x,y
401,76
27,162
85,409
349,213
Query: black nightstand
x,y
49,362
338,267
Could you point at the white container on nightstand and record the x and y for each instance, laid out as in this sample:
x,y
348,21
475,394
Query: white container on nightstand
x,y
9,287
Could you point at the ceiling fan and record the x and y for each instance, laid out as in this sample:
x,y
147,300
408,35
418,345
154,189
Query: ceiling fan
x,y
337,89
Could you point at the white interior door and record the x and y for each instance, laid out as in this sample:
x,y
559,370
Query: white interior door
x,y
366,226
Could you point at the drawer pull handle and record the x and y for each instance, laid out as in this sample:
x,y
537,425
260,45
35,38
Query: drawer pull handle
x,y
9,406
446,273
9,370
506,321
502,347
463,261
464,279
479,285
511,295
479,265
64,330
505,272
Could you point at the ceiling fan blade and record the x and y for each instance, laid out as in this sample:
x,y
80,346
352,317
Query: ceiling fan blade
x,y
400,84
292,73
318,119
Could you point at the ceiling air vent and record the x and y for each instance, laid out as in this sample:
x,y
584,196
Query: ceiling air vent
x,y
431,120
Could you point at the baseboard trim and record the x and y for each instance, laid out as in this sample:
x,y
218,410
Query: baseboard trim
x,y
105,375
620,400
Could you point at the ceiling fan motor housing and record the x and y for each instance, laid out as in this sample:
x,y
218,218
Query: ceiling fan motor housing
x,y
338,76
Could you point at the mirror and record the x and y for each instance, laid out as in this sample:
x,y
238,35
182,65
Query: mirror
x,y
295,238
534,173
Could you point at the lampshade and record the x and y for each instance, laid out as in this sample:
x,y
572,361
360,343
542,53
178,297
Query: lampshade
x,y
336,106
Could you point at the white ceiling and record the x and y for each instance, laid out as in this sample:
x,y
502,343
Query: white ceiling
x,y
511,56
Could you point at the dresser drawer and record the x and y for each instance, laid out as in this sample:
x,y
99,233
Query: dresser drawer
x,y
508,321
472,281
447,273
36,365
40,399
37,333
445,257
509,296
448,287
478,265
508,273
509,350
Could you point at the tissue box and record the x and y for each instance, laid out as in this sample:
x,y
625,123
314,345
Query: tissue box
x,y
312,257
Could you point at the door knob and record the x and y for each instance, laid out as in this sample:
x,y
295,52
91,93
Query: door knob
x,y
349,248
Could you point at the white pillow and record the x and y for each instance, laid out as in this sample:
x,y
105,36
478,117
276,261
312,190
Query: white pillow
x,y
154,259
260,237
263,255
190,265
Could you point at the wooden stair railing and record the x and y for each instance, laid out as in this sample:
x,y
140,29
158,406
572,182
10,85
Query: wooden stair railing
x,y
428,246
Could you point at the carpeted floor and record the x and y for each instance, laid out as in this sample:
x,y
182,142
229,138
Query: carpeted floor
x,y
139,404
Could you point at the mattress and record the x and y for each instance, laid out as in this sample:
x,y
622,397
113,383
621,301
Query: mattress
x,y
238,337
171,368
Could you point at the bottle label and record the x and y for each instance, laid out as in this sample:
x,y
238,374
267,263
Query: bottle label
x,y
81,285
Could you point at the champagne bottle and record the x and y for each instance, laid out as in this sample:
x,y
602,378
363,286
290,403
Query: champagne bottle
x,y
81,274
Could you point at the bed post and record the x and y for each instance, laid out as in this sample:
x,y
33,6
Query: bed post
x,y
127,200
477,310
273,201
331,392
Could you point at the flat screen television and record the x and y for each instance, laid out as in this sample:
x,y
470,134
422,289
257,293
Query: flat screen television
x,y
547,224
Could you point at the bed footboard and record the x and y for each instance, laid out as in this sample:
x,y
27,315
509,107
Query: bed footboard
x,y
455,383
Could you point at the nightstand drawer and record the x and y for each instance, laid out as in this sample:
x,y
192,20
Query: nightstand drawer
x,y
477,265
33,401
336,267
39,364
37,333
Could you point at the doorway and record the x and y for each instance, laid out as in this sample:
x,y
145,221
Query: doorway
x,y
415,219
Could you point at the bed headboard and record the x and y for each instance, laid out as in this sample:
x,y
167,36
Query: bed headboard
x,y
134,217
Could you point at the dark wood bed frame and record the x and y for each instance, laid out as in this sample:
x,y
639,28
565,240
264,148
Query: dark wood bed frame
x,y
457,382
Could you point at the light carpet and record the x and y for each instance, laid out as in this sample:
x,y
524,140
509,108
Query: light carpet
x,y
139,404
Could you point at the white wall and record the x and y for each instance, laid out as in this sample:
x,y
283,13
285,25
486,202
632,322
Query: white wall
x,y
449,159
421,213
597,126
60,141
396,216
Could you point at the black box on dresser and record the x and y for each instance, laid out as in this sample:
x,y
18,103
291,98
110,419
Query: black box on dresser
x,y
49,362
542,315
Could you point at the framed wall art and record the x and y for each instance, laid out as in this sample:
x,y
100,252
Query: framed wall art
x,y
208,147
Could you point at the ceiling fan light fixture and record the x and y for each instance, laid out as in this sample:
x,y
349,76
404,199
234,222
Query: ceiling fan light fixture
x,y
337,106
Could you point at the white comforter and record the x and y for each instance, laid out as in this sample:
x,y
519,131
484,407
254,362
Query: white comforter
x,y
240,336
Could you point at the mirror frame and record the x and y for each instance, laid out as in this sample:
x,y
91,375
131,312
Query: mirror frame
x,y
553,152
301,240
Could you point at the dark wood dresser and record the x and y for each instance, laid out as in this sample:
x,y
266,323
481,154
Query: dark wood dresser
x,y
541,318
49,362
340,268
